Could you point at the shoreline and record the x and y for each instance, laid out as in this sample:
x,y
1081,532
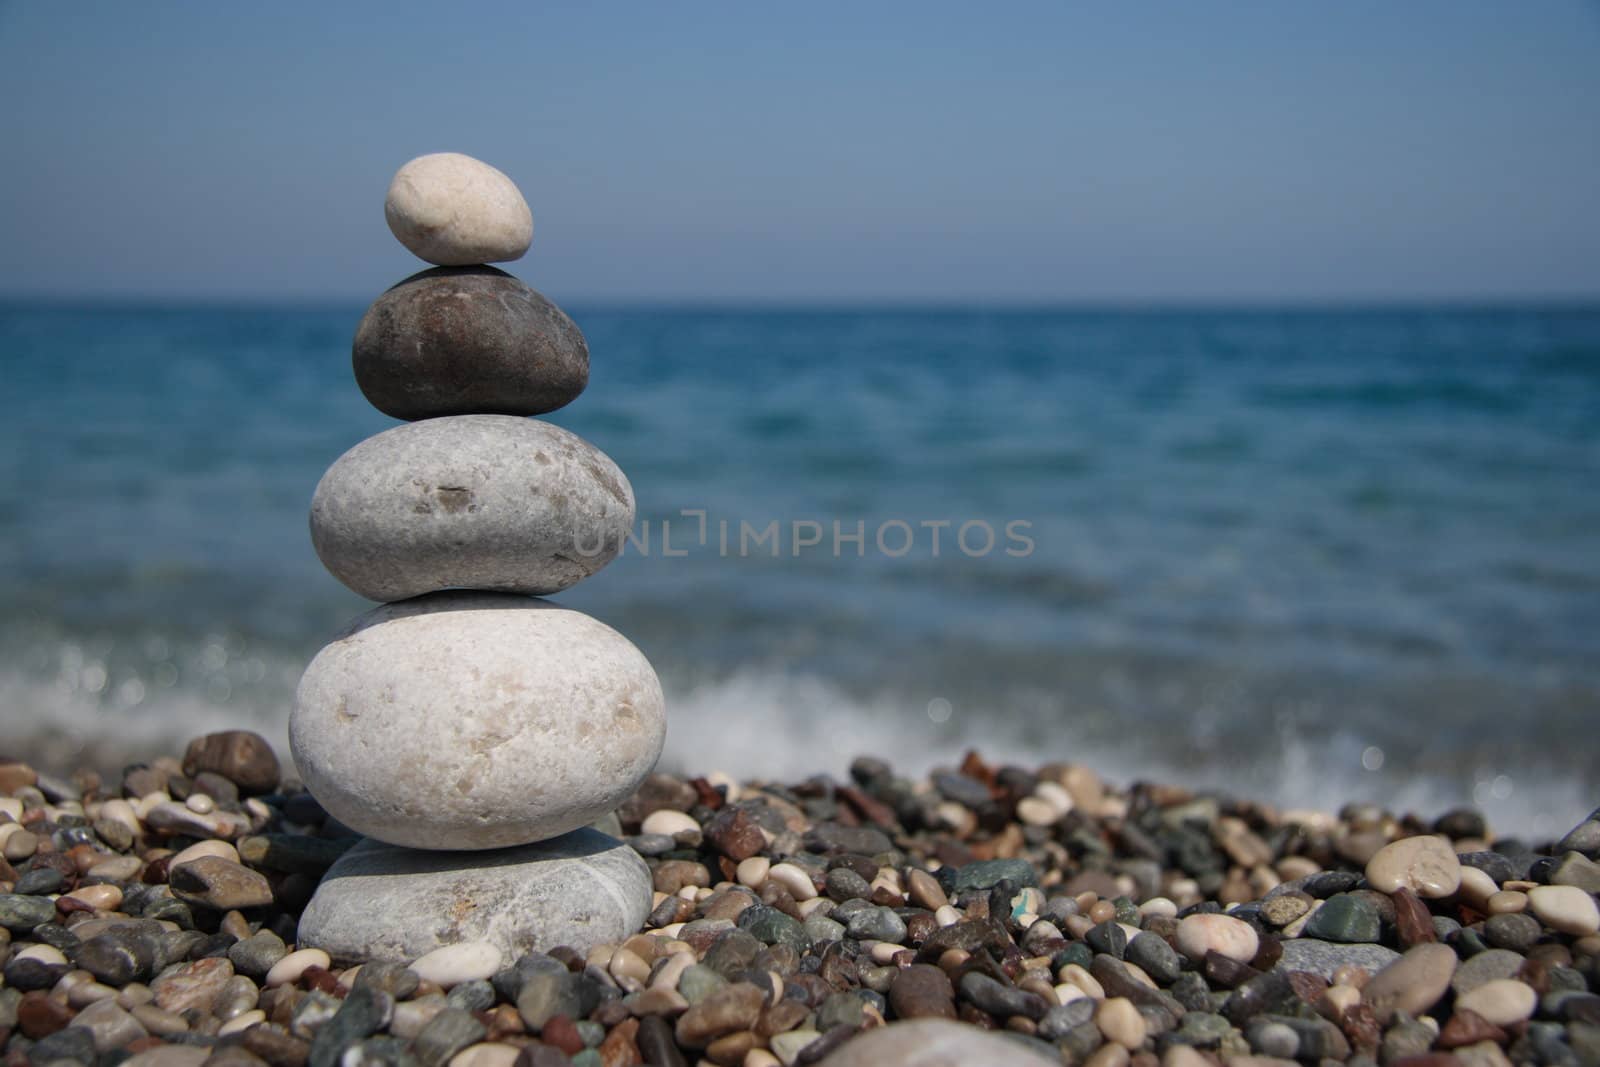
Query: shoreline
x,y
1087,922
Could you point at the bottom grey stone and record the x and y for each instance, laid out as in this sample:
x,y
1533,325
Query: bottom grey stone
x,y
381,901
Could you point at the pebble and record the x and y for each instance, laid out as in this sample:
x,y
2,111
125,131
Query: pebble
x,y
1425,864
243,757
486,1054
1345,918
1412,984
1121,1022
452,209
580,890
451,965
492,502
669,823
466,721
1565,908
792,878
220,884
289,969
468,340
1223,934
1501,1001
1485,967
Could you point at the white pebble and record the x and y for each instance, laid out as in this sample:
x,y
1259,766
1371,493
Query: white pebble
x,y
288,970
1036,811
883,952
1566,908
752,873
1223,934
454,964
485,1055
1502,1001
1476,886
1121,1022
947,915
243,1021
455,211
668,822
1158,906
1425,864
792,878
1054,795
46,954
200,804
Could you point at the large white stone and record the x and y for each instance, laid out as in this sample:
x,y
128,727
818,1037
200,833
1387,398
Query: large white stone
x,y
455,211
470,502
383,902
475,721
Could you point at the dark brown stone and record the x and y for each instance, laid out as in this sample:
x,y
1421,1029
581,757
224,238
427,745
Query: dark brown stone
x,y
1412,919
868,806
922,991
241,756
38,1015
656,1043
734,834
1468,1028
467,340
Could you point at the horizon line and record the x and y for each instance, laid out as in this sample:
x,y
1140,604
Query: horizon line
x,y
779,305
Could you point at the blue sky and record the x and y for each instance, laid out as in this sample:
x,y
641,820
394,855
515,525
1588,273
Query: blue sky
x,y
1143,153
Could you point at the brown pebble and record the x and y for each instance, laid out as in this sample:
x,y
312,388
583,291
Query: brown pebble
x,y
40,1015
868,807
619,1049
1413,921
734,834
1468,1028
562,1032
15,775
925,890
778,1018
729,1050
276,1045
611,1013
241,756
1225,972
1361,1027
732,1008
672,875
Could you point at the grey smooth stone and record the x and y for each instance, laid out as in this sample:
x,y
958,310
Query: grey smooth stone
x,y
467,340
384,902
490,502
938,1043
475,721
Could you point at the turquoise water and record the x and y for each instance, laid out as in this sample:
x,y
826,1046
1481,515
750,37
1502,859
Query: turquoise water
x,y
1307,553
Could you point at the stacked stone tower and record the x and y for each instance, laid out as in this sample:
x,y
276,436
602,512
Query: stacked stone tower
x,y
470,730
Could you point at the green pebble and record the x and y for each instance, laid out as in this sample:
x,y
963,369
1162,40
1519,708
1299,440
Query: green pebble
x,y
698,982
1345,918
590,1031
986,874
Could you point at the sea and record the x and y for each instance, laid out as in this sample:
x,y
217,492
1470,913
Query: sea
x,y
1311,556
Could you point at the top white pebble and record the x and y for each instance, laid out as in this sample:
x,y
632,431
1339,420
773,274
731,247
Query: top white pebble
x,y
455,211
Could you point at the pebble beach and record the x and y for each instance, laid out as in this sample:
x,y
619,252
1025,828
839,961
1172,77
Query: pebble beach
x,y
980,914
